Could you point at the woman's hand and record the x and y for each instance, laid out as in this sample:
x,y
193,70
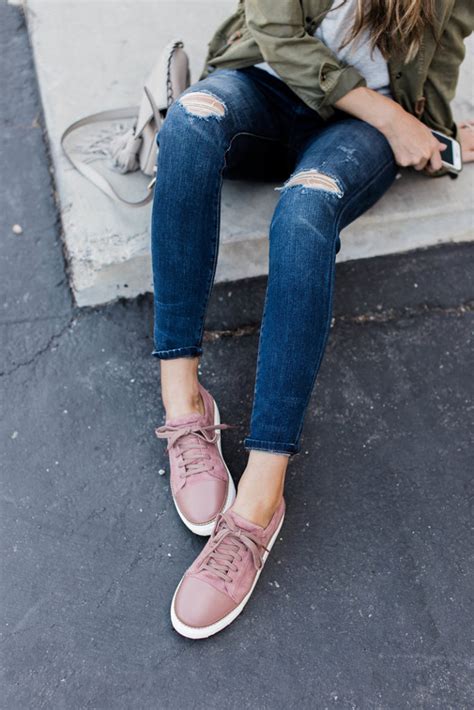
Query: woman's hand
x,y
412,142
466,139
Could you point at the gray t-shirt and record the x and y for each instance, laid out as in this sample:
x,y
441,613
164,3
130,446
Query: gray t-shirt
x,y
333,28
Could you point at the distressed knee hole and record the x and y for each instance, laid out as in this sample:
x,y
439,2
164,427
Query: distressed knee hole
x,y
202,103
314,180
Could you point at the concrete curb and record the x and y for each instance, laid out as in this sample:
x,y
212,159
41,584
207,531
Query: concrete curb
x,y
86,62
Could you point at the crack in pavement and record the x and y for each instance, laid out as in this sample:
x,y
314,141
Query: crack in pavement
x,y
250,329
393,314
40,319
50,343
379,317
388,316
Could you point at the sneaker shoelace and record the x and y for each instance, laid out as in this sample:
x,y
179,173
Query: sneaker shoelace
x,y
227,547
186,440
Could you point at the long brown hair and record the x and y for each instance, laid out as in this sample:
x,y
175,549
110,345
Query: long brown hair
x,y
395,26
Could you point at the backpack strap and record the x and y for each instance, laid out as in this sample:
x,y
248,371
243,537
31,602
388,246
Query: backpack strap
x,y
90,173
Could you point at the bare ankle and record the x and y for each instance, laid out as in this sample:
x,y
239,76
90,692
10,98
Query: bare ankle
x,y
180,387
184,403
261,487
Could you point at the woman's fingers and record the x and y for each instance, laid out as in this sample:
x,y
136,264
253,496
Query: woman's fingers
x,y
421,164
433,161
436,161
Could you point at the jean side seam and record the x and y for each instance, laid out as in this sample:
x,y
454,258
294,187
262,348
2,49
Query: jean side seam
x,y
215,244
328,326
325,336
259,354
357,194
217,226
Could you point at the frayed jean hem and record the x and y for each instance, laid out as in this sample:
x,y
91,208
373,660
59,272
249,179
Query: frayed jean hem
x,y
271,447
189,351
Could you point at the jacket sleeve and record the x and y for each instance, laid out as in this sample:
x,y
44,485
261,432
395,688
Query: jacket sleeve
x,y
304,63
443,72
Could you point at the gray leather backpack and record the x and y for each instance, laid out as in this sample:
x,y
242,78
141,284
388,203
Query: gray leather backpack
x,y
136,149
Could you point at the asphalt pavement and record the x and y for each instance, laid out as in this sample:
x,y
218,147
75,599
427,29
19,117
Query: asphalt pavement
x,y
367,599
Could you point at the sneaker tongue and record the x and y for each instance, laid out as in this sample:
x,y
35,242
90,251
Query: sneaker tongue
x,y
245,524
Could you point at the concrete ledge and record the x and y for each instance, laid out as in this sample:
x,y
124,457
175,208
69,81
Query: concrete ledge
x,y
89,58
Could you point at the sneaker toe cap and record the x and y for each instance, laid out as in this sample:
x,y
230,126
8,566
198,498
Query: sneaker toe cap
x,y
199,604
202,502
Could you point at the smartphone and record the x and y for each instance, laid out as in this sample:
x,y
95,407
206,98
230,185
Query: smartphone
x,y
451,155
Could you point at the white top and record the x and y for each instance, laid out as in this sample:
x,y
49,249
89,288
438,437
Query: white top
x,y
332,30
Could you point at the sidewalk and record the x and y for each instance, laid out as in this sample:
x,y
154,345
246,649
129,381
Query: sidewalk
x,y
365,601
108,244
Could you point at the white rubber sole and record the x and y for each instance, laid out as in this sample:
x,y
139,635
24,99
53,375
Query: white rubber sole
x,y
202,632
206,528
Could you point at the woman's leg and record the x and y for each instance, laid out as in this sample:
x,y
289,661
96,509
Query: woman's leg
x,y
193,143
342,170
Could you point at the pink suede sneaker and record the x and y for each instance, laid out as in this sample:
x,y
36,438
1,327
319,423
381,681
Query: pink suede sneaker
x,y
201,484
219,583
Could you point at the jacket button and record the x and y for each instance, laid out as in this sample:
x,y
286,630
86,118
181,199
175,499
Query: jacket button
x,y
398,75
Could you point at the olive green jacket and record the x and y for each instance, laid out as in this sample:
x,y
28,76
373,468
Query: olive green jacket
x,y
281,33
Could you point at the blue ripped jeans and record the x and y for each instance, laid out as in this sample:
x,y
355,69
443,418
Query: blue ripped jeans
x,y
249,123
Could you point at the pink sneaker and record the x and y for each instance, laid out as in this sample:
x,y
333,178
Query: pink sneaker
x,y
201,484
219,583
